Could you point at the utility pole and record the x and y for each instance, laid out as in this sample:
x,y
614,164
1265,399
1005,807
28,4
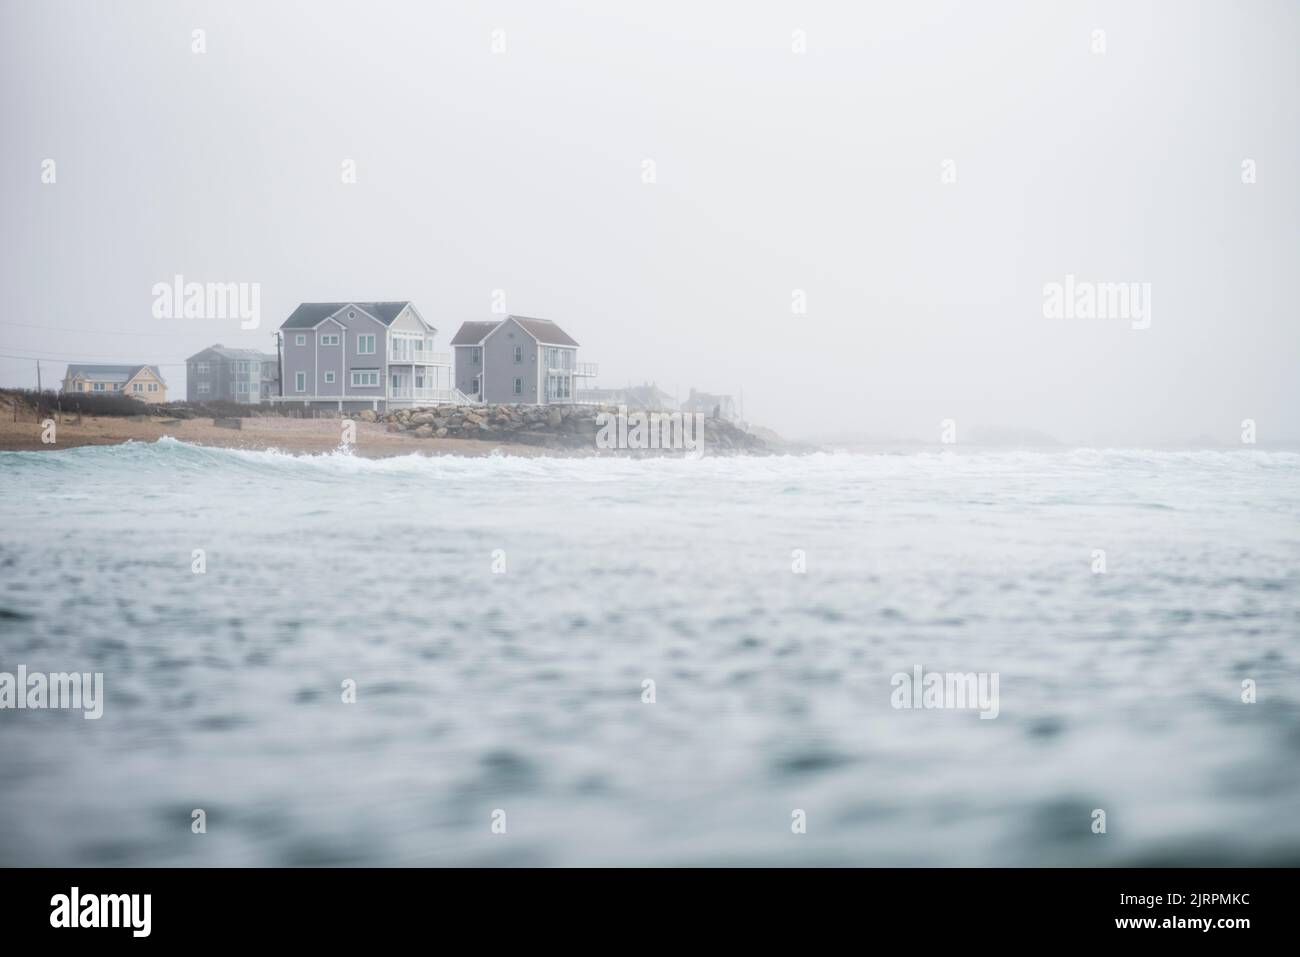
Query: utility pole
x,y
38,376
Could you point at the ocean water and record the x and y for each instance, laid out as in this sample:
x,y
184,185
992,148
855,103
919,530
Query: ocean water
x,y
499,617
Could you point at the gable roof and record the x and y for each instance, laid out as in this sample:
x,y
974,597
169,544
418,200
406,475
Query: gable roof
x,y
543,330
472,333
227,352
308,315
104,373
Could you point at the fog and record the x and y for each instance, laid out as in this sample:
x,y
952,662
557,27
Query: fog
x,y
916,178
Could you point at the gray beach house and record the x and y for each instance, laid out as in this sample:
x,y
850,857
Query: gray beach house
x,y
518,360
352,356
222,374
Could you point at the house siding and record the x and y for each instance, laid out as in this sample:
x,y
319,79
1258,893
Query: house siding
x,y
501,368
467,370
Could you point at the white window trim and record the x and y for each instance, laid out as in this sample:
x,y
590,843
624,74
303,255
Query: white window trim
x,y
300,382
329,378
300,339
361,342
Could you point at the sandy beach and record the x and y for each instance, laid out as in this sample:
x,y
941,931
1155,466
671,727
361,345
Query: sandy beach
x,y
298,436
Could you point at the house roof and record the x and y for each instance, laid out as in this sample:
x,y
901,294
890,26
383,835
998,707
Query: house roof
x,y
228,353
310,314
543,330
104,373
472,333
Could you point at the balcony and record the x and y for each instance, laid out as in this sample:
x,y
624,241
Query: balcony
x,y
585,369
411,394
417,356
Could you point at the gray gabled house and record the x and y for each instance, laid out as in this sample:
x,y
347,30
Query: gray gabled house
x,y
218,373
362,355
518,359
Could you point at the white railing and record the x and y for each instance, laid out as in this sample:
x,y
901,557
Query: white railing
x,y
587,369
418,356
452,396
431,395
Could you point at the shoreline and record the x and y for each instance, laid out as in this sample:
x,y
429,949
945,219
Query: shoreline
x,y
469,431
293,436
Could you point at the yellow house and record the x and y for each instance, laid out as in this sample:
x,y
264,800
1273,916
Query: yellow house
x,y
139,382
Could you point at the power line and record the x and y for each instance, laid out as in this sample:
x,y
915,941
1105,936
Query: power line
x,y
104,332
65,358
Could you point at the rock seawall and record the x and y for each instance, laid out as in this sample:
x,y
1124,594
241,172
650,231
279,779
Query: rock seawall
x,y
572,427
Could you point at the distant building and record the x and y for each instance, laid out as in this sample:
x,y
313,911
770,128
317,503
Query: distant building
x,y
139,382
713,405
231,375
637,398
362,355
518,360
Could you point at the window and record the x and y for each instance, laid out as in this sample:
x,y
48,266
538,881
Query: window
x,y
300,382
201,368
330,340
117,387
300,339
519,354
153,386
243,388
366,345
365,377
473,386
478,355
137,386
329,378
519,386
406,348
99,387
204,388
351,314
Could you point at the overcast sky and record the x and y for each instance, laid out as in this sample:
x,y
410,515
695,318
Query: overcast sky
x,y
776,171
